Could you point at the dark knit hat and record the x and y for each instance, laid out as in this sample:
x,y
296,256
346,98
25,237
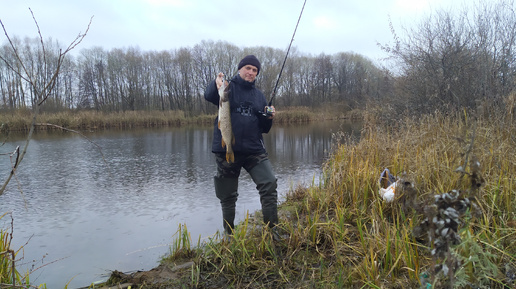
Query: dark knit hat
x,y
252,60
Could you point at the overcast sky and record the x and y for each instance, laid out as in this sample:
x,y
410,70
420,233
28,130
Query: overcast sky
x,y
326,26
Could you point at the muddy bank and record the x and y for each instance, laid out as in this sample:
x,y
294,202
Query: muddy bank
x,y
163,276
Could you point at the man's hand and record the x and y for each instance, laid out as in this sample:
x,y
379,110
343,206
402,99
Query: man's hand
x,y
270,111
219,80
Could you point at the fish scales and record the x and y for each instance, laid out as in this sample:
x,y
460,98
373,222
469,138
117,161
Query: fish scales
x,y
224,124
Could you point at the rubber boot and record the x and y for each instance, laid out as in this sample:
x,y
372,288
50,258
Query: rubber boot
x,y
226,189
266,184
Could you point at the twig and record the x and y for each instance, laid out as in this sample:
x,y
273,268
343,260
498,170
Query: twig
x,y
40,96
77,132
13,168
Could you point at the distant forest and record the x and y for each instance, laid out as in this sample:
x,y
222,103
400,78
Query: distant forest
x,y
448,60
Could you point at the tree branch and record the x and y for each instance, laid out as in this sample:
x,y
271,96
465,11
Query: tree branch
x,y
41,96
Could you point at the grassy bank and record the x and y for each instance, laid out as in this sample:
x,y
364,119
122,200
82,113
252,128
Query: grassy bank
x,y
452,224
21,120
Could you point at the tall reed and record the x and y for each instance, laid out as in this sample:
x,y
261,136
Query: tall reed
x,y
20,120
430,153
93,120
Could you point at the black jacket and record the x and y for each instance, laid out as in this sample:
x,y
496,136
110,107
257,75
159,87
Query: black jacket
x,y
247,106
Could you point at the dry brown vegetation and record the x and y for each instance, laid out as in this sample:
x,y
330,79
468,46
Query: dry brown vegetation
x,y
342,234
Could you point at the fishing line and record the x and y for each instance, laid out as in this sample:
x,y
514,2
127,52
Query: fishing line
x,y
285,60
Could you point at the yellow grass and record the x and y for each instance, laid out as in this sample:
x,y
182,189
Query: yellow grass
x,y
341,234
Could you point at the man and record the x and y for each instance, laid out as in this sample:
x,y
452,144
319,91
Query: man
x,y
249,122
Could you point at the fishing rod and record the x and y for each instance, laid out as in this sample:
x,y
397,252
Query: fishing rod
x,y
269,109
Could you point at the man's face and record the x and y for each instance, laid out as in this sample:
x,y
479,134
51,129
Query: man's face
x,y
248,72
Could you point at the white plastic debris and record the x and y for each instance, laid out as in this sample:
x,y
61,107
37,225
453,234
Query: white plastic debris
x,y
389,193
387,183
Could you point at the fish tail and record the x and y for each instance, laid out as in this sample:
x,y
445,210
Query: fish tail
x,y
230,157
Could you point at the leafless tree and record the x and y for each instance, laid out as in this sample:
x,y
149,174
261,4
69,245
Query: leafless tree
x,y
458,59
41,85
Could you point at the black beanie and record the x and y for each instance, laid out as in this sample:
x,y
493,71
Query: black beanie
x,y
252,60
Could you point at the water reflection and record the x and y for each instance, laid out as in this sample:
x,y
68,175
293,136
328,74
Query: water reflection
x,y
92,215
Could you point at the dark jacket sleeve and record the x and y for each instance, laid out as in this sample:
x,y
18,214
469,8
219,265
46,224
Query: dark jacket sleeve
x,y
265,122
211,93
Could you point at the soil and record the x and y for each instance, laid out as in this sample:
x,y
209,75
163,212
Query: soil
x,y
162,276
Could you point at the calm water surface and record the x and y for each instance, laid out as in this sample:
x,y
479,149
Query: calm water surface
x,y
80,213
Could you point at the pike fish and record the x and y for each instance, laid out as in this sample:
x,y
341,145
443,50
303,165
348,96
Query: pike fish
x,y
224,124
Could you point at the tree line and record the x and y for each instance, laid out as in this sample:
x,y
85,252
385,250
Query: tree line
x,y
131,79
450,59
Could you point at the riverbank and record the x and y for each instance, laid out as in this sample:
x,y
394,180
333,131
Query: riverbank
x,y
119,189
451,225
21,120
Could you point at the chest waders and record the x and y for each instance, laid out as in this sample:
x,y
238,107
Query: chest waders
x,y
226,190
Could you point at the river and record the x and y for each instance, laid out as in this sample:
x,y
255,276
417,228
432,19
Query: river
x,y
84,207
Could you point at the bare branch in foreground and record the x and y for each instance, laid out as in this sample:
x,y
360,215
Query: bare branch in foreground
x,y
40,95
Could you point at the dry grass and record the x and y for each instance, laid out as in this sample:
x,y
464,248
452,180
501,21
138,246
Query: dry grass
x,y
91,120
302,114
341,234
20,120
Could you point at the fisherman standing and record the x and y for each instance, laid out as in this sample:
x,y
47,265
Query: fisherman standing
x,y
249,121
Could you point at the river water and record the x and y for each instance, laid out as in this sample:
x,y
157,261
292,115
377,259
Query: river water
x,y
83,207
